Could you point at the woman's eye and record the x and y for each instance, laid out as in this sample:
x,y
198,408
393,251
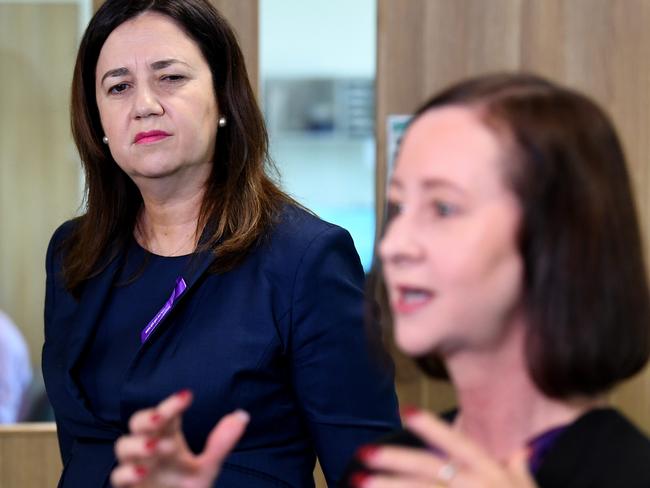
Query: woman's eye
x,y
119,88
173,78
393,209
444,209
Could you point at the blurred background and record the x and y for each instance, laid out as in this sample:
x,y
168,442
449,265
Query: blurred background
x,y
317,81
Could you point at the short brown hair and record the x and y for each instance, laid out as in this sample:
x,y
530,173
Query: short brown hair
x,y
241,200
586,289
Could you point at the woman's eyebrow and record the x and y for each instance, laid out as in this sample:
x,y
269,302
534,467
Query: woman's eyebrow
x,y
156,65
114,73
434,183
164,63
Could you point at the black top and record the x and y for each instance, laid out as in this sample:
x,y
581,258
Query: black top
x,y
601,449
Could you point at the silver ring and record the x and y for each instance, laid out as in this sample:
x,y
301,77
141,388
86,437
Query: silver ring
x,y
447,472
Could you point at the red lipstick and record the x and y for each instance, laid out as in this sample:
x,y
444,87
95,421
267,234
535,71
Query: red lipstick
x,y
150,136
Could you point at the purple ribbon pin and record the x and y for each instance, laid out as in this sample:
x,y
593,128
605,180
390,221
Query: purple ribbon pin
x,y
179,288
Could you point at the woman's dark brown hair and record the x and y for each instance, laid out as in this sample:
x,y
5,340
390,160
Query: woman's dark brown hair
x,y
586,289
240,202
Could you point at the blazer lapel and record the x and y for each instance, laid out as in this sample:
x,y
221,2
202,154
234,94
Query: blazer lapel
x,y
83,323
91,306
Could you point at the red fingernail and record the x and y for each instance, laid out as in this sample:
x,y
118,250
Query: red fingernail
x,y
357,480
184,394
155,417
151,444
141,471
409,411
365,453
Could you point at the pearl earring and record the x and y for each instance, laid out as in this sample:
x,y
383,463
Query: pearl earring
x,y
105,140
222,121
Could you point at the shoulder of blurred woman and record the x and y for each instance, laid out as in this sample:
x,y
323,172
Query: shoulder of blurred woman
x,y
602,447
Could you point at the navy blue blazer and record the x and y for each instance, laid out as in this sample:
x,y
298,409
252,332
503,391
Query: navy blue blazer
x,y
281,336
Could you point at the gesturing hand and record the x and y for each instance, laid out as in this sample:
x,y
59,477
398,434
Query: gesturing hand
x,y
466,464
155,453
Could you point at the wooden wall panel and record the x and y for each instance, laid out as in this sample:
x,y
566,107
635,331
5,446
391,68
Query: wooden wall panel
x,y
244,18
598,46
29,456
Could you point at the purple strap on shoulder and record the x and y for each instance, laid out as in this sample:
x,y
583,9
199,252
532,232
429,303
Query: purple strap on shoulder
x,y
540,446
179,288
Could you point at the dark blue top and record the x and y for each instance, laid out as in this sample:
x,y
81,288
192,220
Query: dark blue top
x,y
142,286
282,336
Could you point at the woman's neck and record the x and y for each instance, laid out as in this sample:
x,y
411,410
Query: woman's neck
x,y
500,407
168,223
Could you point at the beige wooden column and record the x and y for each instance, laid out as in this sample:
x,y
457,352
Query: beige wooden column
x,y
243,15
601,47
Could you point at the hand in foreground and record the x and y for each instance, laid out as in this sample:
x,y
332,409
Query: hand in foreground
x,y
467,465
155,453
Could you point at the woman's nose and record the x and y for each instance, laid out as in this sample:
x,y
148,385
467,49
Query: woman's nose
x,y
400,243
146,103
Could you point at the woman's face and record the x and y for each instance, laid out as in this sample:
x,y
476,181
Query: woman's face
x,y
156,99
449,254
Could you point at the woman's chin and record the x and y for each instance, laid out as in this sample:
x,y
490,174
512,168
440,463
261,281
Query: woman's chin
x,y
154,171
414,345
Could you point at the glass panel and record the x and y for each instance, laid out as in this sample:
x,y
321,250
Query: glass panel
x,y
317,65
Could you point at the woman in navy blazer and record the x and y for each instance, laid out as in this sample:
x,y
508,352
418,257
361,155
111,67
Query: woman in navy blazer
x,y
191,270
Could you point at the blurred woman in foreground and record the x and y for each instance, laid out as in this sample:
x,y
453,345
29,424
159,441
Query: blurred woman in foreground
x,y
513,262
